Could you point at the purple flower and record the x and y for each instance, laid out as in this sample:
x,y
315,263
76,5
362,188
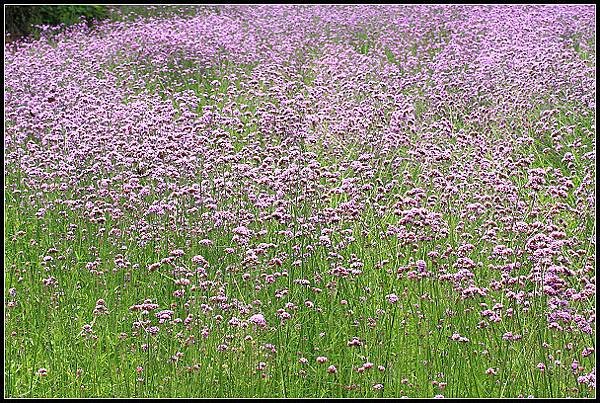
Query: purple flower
x,y
258,319
392,298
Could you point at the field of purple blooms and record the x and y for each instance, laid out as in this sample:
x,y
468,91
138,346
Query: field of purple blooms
x,y
303,201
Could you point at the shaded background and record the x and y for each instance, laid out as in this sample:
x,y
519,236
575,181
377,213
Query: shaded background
x,y
22,20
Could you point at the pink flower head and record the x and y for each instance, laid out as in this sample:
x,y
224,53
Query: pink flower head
x,y
321,360
177,252
258,319
354,342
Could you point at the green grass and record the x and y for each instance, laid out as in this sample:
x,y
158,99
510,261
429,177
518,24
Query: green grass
x,y
43,329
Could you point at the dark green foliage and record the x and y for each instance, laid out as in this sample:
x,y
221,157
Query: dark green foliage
x,y
21,20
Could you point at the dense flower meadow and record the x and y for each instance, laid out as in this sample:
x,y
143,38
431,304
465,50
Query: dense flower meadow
x,y
314,201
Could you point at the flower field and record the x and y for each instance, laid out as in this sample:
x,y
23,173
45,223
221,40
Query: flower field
x,y
303,201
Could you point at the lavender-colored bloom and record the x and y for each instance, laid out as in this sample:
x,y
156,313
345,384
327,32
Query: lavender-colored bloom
x,y
164,316
392,298
258,319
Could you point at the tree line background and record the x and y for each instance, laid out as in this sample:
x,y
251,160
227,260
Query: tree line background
x,y
22,20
